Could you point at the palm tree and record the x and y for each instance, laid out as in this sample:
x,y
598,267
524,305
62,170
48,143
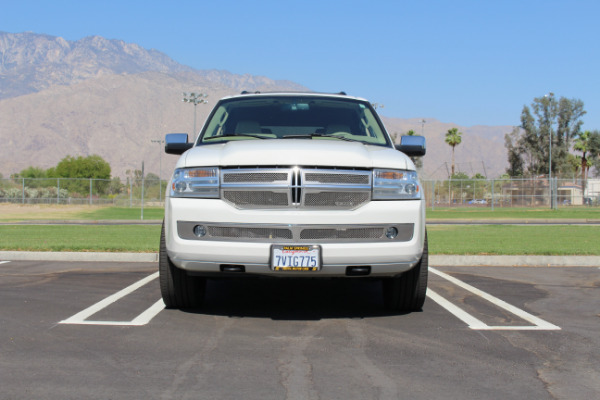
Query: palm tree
x,y
583,143
453,138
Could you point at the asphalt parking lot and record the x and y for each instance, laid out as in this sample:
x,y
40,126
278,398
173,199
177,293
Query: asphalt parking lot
x,y
99,330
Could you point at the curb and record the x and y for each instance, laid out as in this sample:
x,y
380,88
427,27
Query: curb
x,y
514,261
77,256
434,260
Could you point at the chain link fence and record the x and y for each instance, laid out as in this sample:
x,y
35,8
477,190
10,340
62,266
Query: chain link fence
x,y
492,193
527,193
76,191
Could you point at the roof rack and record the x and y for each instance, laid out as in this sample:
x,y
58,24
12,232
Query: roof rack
x,y
341,93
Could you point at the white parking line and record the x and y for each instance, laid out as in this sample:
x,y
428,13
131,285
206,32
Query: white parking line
x,y
81,317
4,262
474,323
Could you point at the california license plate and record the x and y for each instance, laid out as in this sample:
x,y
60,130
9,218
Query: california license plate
x,y
303,258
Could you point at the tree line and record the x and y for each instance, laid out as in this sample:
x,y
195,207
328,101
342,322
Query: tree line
x,y
79,171
551,129
85,168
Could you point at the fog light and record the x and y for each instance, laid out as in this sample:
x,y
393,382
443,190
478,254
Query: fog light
x,y
391,233
200,230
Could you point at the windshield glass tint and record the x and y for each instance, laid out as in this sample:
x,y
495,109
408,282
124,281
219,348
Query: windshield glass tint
x,y
281,117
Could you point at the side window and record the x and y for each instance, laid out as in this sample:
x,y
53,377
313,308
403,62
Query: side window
x,y
370,125
215,127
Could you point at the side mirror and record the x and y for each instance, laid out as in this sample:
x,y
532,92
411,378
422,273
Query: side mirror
x,y
177,143
412,146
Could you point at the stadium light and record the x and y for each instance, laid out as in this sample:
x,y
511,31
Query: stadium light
x,y
195,99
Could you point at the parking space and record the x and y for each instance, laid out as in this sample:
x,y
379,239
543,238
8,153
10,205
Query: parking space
x,y
530,322
143,318
484,332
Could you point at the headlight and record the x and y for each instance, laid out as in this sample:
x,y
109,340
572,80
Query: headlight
x,y
389,184
195,182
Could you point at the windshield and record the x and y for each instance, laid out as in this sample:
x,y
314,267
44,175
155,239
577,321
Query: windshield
x,y
281,117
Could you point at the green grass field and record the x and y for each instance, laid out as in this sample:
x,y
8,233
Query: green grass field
x,y
112,238
446,239
514,240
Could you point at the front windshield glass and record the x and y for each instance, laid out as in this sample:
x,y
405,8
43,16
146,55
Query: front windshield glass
x,y
288,117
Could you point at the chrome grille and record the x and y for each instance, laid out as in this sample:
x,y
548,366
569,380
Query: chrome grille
x,y
339,179
335,199
295,187
256,198
253,177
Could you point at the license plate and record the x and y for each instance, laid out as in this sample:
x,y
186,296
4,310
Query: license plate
x,y
303,258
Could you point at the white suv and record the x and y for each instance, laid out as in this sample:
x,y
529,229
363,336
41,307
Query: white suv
x,y
294,185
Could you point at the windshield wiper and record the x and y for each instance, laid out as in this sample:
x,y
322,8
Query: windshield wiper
x,y
313,135
224,137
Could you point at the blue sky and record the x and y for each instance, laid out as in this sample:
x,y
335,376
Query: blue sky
x,y
464,62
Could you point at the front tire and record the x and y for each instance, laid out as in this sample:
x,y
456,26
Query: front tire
x,y
178,289
407,292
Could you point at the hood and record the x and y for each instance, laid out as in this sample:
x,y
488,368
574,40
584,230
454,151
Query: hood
x,y
291,152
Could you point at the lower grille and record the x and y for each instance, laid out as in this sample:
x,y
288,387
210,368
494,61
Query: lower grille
x,y
294,233
355,233
234,232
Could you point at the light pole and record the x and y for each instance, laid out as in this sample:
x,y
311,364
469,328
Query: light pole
x,y
195,99
159,167
550,96
423,127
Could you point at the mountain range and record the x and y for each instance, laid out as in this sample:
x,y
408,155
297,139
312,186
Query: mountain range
x,y
111,98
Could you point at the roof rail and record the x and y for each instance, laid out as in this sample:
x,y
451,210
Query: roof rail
x,y
341,93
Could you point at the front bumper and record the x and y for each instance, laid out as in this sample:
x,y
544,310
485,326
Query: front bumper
x,y
385,258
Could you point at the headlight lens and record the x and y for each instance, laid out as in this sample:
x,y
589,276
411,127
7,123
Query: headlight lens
x,y
391,184
195,182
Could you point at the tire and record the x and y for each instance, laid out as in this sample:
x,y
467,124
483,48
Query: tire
x,y
178,289
407,292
